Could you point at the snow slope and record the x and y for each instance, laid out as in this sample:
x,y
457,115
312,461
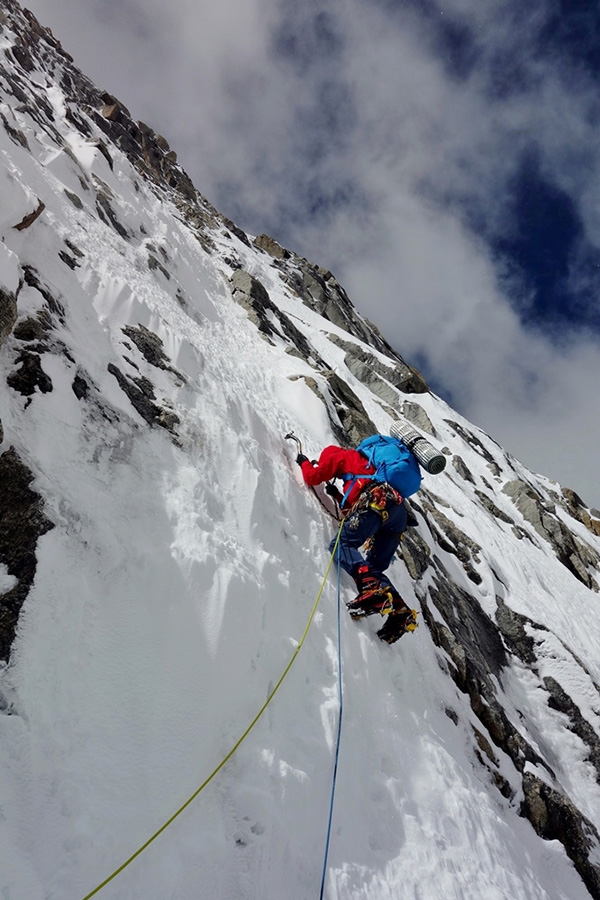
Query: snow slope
x,y
183,566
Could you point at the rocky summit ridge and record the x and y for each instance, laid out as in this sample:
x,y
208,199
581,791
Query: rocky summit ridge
x,y
79,173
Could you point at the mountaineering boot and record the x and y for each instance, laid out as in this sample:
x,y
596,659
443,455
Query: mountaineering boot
x,y
372,597
399,621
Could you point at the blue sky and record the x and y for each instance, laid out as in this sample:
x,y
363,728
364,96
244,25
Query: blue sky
x,y
441,157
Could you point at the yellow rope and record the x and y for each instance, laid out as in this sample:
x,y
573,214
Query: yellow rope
x,y
238,742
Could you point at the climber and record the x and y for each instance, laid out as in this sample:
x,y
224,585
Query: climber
x,y
377,476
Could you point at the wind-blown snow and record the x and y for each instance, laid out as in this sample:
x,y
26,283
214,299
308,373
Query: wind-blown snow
x,y
177,580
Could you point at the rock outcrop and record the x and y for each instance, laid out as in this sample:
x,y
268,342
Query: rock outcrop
x,y
22,523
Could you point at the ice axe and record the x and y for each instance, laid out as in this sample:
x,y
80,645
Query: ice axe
x,y
290,436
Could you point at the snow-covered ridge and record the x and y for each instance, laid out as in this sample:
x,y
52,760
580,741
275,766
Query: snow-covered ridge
x,y
159,559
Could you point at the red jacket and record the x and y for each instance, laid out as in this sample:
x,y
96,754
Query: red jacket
x,y
334,462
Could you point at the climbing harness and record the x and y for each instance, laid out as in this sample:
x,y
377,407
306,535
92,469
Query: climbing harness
x,y
225,759
377,497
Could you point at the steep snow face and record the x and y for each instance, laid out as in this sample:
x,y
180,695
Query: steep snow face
x,y
180,558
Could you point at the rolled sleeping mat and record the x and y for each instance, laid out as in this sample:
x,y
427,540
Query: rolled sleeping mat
x,y
431,460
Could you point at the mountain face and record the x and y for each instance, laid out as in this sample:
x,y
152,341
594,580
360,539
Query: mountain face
x,y
159,558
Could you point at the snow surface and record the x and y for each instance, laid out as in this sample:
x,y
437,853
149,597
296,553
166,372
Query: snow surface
x,y
173,589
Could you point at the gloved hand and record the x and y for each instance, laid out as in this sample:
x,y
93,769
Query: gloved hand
x,y
301,458
333,492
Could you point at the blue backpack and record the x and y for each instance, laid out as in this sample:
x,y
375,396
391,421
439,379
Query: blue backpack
x,y
393,462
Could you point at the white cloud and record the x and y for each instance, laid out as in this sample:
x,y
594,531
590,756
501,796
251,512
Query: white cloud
x,y
346,130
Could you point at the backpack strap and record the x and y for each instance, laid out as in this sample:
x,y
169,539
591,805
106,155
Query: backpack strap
x,y
351,480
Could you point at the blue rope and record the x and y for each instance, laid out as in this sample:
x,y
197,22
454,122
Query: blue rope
x,y
339,730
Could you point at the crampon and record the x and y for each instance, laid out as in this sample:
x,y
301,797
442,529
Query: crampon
x,y
377,600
